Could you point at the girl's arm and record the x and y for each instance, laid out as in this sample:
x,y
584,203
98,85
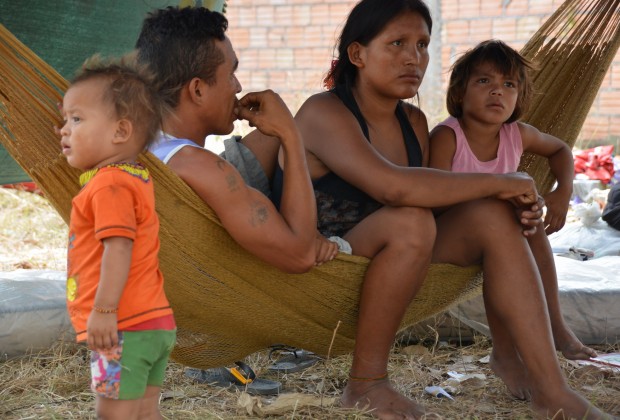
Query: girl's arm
x,y
115,265
442,148
562,167
334,141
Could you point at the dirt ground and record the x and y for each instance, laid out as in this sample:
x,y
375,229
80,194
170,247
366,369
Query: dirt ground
x,y
54,384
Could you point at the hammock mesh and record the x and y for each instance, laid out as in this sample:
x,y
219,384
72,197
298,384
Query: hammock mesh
x,y
229,304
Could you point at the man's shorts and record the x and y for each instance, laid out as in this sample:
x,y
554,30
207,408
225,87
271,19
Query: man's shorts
x,y
139,360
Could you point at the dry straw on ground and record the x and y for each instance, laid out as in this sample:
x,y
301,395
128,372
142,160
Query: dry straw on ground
x,y
54,384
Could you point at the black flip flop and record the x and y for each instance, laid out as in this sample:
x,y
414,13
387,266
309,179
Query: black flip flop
x,y
242,378
291,360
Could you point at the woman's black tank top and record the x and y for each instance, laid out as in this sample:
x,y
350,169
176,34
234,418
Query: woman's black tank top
x,y
340,205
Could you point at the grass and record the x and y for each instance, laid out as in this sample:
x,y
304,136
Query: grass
x,y
54,384
32,235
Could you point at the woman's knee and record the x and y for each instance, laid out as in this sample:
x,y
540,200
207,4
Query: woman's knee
x,y
467,231
499,217
411,227
401,229
490,216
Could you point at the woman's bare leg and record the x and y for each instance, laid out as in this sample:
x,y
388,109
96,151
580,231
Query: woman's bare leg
x,y
486,231
399,241
505,360
565,340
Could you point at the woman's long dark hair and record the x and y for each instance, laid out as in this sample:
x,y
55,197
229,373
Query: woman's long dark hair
x,y
366,20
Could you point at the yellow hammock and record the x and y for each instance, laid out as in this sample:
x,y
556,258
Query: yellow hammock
x,y
228,303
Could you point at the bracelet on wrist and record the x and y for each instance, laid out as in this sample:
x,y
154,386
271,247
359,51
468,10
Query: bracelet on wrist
x,y
105,310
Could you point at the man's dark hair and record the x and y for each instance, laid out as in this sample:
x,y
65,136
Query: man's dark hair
x,y
178,44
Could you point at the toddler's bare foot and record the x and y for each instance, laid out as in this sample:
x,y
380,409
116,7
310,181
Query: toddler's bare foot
x,y
513,373
383,400
571,347
565,404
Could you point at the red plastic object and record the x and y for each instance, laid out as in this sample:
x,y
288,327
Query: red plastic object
x,y
596,163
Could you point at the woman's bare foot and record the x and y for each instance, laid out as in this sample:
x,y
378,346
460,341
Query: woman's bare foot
x,y
565,404
513,373
381,399
571,347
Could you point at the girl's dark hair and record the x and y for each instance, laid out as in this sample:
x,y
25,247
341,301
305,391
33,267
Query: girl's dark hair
x,y
178,44
366,20
505,59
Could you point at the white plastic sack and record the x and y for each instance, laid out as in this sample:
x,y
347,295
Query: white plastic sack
x,y
589,296
589,232
33,311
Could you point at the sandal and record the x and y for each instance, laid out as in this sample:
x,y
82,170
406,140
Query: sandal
x,y
292,360
242,378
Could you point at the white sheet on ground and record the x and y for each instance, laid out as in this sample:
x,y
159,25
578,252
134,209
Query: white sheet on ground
x,y
33,311
589,298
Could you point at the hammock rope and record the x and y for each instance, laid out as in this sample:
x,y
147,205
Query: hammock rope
x,y
573,50
228,303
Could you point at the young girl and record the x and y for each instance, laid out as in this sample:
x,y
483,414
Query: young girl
x,y
115,294
367,151
489,90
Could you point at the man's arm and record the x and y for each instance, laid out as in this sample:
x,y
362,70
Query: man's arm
x,y
265,149
285,240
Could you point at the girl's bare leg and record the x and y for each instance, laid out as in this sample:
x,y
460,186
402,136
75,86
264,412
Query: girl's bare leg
x,y
399,241
486,231
565,340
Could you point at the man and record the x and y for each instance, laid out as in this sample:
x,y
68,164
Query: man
x,y
194,65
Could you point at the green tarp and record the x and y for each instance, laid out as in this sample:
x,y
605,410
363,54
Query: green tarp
x,y
10,171
66,32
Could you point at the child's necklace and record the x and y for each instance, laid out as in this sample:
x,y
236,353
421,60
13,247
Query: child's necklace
x,y
132,168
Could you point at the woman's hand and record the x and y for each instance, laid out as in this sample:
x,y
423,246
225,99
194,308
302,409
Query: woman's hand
x,y
519,188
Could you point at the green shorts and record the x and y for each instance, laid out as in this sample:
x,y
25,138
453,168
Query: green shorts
x,y
139,360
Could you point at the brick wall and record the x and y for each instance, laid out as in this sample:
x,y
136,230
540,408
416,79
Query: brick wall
x,y
287,45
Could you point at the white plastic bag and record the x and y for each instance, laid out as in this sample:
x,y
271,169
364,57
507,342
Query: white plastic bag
x,y
590,233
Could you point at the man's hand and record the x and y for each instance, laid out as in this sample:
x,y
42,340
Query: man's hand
x,y
267,112
326,250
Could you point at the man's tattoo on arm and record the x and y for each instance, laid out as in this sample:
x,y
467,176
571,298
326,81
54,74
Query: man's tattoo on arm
x,y
231,179
259,214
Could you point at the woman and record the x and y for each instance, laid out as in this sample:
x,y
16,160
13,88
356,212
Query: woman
x,y
367,153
